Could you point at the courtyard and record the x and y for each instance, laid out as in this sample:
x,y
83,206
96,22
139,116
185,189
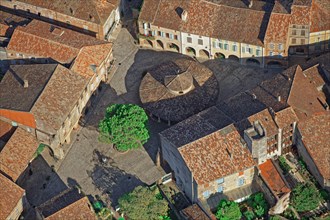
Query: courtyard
x,y
100,170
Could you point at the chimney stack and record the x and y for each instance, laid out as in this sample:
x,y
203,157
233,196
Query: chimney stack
x,y
251,4
279,98
26,83
184,15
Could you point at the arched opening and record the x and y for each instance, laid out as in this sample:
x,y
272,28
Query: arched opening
x,y
148,43
174,47
204,54
252,61
219,56
274,64
160,44
300,50
190,51
233,58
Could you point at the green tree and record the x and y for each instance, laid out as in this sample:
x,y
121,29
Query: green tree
x,y
305,197
228,210
142,203
124,126
249,215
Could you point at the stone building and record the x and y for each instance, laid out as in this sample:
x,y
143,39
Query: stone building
x,y
93,17
208,157
313,145
46,103
12,199
263,33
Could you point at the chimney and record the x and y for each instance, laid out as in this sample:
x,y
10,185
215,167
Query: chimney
x,y
279,98
91,18
26,83
251,4
184,15
72,11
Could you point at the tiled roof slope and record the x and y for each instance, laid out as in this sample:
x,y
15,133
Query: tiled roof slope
x,y
278,27
78,210
58,98
216,155
273,178
196,126
263,117
6,131
315,135
17,153
90,56
304,97
13,95
320,16
285,117
95,11
45,40
194,212
10,195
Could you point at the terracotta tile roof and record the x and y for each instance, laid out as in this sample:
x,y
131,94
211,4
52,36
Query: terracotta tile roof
x,y
8,22
314,74
3,30
216,155
78,210
304,96
207,19
10,195
6,130
263,117
320,16
194,212
13,95
17,153
278,27
196,126
90,57
94,11
315,135
41,39
300,14
273,179
58,98
285,117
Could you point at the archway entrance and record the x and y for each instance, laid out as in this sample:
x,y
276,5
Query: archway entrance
x,y
233,58
173,47
190,51
219,55
160,45
252,61
274,64
148,43
204,54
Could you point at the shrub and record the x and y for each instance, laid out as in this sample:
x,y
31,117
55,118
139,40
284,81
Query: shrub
x,y
305,197
283,164
228,210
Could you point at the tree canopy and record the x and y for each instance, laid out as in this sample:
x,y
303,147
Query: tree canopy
x,y
125,126
228,210
143,203
305,197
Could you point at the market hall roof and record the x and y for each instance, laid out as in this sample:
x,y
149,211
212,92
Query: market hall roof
x,y
175,90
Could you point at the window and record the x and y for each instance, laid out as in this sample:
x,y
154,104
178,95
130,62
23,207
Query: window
x,y
153,33
206,194
243,49
234,48
250,50
271,46
189,39
200,41
145,25
240,182
13,123
162,34
176,37
220,189
294,32
219,181
302,41
303,32
171,36
293,41
270,53
258,52
145,32
150,33
167,35
280,46
226,46
159,33
220,45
